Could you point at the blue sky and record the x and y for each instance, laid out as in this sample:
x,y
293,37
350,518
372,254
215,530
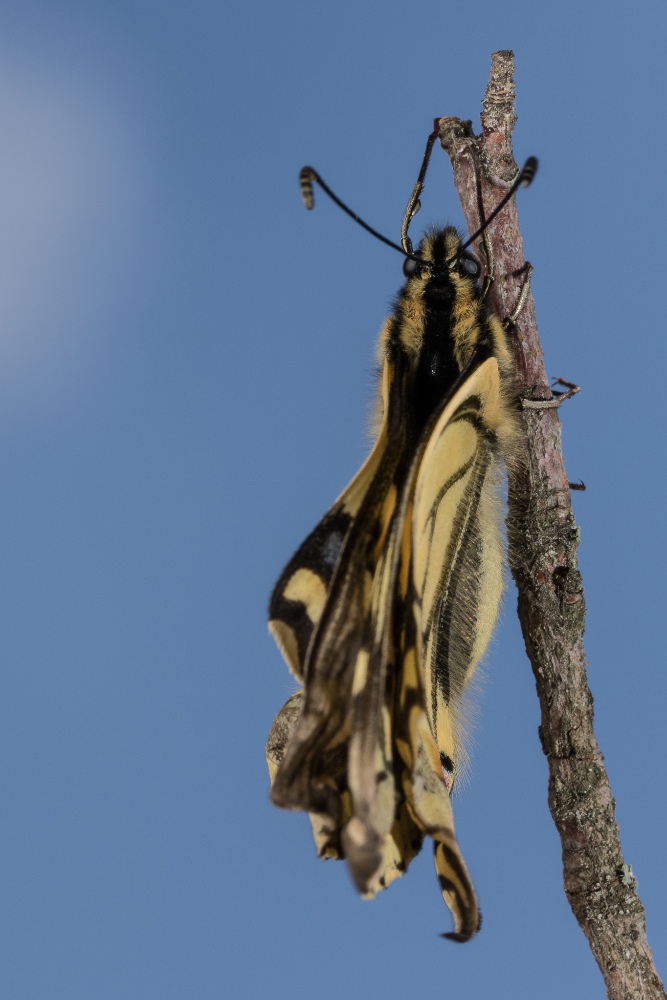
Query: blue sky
x,y
186,359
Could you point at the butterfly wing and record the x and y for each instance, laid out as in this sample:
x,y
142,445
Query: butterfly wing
x,y
320,614
457,554
442,556
455,585
303,588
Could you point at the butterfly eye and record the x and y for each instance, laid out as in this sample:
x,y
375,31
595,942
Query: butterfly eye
x,y
410,266
469,265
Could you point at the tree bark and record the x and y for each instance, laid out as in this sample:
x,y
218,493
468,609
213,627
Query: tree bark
x,y
543,541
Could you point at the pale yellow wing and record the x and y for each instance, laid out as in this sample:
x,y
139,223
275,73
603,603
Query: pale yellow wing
x,y
457,553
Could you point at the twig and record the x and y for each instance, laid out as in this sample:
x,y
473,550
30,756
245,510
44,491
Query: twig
x,y
543,556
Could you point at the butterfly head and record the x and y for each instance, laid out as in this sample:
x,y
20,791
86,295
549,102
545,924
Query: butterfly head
x,y
441,257
440,270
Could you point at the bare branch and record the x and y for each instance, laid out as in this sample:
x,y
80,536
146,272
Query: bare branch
x,y
543,557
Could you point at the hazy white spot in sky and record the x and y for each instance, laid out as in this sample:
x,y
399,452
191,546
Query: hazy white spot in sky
x,y
70,187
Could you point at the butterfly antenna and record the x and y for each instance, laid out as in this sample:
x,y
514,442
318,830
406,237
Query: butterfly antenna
x,y
306,178
309,175
523,179
414,203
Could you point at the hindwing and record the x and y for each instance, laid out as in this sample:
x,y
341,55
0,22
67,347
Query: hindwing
x,y
457,553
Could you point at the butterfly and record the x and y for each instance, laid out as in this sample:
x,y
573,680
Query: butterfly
x,y
385,610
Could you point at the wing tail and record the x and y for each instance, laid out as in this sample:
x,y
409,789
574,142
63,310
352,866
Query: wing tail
x,y
429,798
